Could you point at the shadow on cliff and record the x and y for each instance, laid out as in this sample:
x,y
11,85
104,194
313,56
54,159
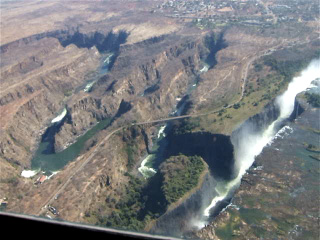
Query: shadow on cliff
x,y
109,42
215,149
214,42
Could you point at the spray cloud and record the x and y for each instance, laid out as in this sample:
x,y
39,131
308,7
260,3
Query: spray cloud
x,y
249,143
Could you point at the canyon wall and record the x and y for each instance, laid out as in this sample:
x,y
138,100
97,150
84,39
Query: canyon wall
x,y
35,90
150,83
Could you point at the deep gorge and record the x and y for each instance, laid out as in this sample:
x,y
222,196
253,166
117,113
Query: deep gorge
x,y
111,42
218,151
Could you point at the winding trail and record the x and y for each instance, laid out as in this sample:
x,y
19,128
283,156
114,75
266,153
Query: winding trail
x,y
244,77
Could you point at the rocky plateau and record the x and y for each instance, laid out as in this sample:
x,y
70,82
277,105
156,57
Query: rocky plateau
x,y
154,68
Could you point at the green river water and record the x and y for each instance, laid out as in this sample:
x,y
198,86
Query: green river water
x,y
50,161
45,158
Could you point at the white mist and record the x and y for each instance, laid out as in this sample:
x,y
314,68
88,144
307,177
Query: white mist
x,y
250,143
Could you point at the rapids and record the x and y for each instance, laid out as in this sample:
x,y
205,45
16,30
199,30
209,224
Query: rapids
x,y
249,143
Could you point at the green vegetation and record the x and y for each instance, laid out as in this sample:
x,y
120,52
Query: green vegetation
x,y
143,201
262,86
252,215
130,136
131,150
181,174
204,23
233,224
258,67
127,209
288,67
312,148
282,226
186,125
313,99
236,106
67,93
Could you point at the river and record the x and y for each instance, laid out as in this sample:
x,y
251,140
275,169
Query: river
x,y
151,162
248,143
45,158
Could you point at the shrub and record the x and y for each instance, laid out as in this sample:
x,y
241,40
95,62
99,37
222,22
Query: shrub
x,y
313,99
181,174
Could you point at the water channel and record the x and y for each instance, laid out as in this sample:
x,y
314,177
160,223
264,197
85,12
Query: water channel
x,y
45,158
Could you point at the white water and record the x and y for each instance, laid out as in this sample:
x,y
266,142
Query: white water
x,y
88,86
251,144
29,173
144,170
60,116
284,131
174,112
204,69
148,171
161,131
107,60
53,173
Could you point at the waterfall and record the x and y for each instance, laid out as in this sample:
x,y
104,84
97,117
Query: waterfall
x,y
60,116
250,143
144,169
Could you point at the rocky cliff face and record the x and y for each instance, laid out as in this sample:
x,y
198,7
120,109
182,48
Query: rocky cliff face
x,y
283,171
184,217
145,80
279,173
35,86
215,149
106,179
150,83
44,64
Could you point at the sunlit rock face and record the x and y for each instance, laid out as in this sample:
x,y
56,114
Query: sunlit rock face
x,y
35,85
263,142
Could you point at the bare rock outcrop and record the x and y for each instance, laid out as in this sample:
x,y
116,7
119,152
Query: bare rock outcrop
x,y
151,82
34,88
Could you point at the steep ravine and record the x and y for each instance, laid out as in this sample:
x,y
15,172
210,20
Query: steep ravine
x,y
218,152
215,149
148,84
129,78
50,74
28,106
106,40
268,123
250,141
109,42
173,64
118,93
